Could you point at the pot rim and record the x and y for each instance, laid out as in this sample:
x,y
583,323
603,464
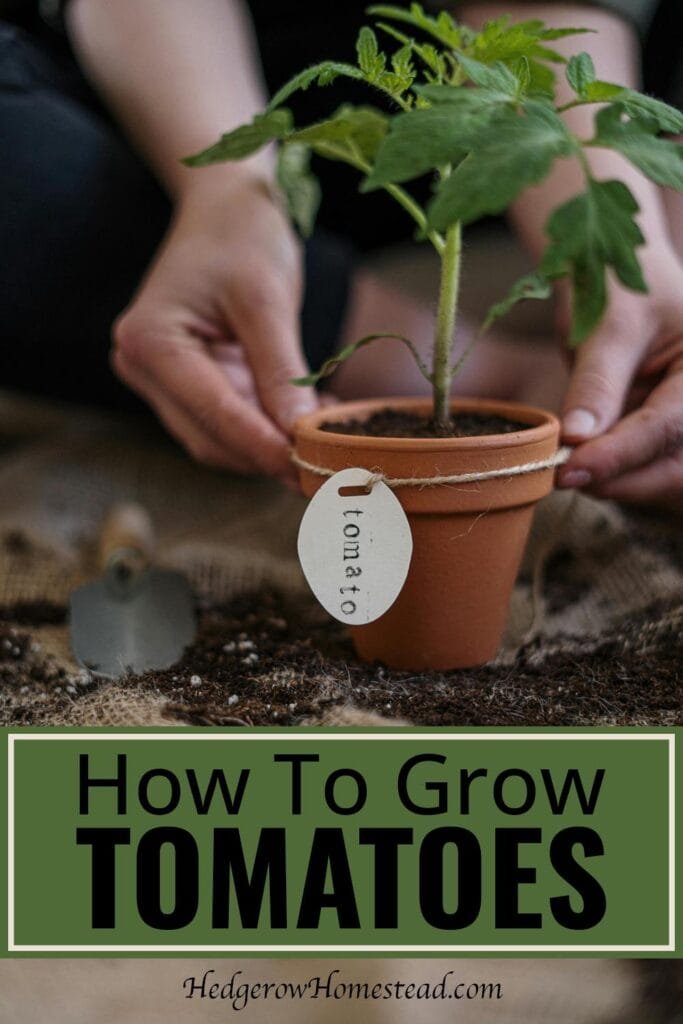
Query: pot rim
x,y
542,424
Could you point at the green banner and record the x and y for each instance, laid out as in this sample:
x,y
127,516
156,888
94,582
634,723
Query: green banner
x,y
336,842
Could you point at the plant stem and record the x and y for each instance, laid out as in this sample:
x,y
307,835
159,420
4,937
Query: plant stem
x,y
411,207
445,325
570,106
581,156
403,198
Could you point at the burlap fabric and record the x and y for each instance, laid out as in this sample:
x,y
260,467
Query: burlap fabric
x,y
595,577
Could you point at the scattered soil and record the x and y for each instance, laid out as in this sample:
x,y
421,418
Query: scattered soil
x,y
34,613
264,659
647,524
17,543
661,985
32,685
395,423
564,583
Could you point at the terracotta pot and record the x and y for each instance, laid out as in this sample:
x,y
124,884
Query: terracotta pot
x,y
468,539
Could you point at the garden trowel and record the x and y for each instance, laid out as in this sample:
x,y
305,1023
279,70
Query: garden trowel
x,y
136,617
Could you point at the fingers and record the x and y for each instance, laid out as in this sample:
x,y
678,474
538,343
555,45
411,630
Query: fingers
x,y
181,426
197,403
603,371
640,454
212,340
660,483
230,358
264,314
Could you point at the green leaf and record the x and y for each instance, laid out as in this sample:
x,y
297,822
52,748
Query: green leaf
x,y
245,140
428,54
541,80
401,61
417,142
496,77
371,62
589,297
501,41
603,92
658,159
301,188
425,140
324,74
531,286
465,101
535,26
330,365
394,84
367,49
637,104
448,31
396,33
522,72
373,66
513,152
581,73
562,33
545,53
351,131
588,234
442,28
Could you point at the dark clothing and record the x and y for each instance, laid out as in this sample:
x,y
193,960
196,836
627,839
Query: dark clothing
x,y
663,53
80,220
82,217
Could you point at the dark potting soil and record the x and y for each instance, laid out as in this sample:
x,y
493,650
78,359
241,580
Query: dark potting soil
x,y
661,991
263,659
34,613
395,423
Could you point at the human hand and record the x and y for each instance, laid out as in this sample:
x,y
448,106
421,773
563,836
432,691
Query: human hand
x,y
211,340
624,405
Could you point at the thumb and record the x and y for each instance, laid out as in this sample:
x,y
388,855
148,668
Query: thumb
x,y
600,381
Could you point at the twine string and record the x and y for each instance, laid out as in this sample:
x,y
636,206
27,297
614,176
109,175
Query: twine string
x,y
557,459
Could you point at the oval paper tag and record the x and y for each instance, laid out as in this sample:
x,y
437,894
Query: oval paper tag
x,y
355,549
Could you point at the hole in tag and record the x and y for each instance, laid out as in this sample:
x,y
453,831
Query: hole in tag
x,y
355,546
354,492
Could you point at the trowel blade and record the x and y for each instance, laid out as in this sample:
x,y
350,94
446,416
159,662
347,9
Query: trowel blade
x,y
146,627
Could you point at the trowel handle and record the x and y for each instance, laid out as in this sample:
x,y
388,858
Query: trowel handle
x,y
127,539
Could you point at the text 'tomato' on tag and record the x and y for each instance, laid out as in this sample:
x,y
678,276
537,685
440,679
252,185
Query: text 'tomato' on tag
x,y
355,548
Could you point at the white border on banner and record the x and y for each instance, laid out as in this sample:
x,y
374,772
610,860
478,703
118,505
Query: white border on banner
x,y
12,738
